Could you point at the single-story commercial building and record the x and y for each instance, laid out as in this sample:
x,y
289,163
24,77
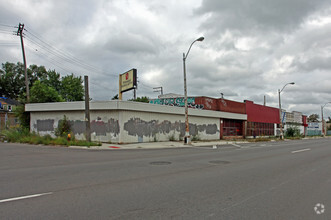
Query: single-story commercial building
x,y
131,122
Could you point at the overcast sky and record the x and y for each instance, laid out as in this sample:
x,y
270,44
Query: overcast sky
x,y
251,49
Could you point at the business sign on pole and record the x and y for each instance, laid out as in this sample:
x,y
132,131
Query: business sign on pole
x,y
128,80
283,117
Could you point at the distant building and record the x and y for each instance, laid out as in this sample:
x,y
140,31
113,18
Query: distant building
x,y
7,116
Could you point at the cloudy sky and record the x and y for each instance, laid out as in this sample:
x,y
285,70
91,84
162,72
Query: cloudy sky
x,y
251,49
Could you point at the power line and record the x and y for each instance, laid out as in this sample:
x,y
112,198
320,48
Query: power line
x,y
55,62
6,25
64,55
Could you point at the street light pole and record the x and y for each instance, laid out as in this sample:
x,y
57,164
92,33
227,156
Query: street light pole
x,y
323,127
187,139
280,111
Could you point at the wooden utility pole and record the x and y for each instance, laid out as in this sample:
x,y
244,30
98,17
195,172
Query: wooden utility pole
x,y
87,110
158,89
119,88
20,33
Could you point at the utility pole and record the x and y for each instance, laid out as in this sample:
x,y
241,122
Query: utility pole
x,y
135,92
87,110
158,89
20,33
265,101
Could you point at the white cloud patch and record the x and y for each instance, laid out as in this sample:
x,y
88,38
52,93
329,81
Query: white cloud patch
x,y
251,48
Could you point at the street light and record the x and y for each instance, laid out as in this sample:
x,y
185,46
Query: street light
x,y
280,110
187,131
323,127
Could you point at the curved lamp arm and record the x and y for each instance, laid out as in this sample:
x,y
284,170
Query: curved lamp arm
x,y
199,39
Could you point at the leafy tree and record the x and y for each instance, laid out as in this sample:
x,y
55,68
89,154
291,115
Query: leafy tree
x,y
141,99
12,80
313,118
40,93
52,79
72,88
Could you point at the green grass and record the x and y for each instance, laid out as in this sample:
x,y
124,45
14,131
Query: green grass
x,y
24,136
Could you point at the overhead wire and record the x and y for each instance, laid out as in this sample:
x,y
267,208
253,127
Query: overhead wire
x,y
65,55
48,58
6,25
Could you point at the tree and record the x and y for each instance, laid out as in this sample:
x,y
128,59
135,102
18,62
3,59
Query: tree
x,y
313,118
40,93
141,99
72,88
12,83
12,80
52,79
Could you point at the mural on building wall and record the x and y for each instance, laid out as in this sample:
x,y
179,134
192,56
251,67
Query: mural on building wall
x,y
138,127
101,128
98,126
180,102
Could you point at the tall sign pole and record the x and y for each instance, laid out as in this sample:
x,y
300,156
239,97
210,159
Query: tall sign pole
x,y
119,89
20,33
87,110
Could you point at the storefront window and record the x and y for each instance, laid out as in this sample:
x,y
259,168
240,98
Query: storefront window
x,y
232,127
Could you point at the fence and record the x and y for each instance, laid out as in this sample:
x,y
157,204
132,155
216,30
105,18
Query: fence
x,y
8,121
313,132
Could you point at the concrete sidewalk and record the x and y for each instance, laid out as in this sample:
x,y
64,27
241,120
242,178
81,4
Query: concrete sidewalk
x,y
163,145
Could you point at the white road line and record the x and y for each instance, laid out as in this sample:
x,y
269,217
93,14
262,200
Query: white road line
x,y
298,151
236,145
25,197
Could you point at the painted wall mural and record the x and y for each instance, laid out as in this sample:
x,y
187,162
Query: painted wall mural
x,y
138,127
98,126
180,102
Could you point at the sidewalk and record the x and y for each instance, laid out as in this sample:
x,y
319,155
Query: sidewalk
x,y
161,145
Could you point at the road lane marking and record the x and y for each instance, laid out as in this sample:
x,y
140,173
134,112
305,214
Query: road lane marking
x,y
25,197
298,151
236,145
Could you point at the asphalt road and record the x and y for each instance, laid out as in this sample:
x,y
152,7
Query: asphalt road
x,y
271,180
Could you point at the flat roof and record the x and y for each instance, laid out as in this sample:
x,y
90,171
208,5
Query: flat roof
x,y
129,106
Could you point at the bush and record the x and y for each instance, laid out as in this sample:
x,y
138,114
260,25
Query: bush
x,y
63,128
196,138
24,136
292,132
172,137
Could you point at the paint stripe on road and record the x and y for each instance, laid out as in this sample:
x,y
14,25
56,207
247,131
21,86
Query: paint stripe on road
x,y
25,197
298,151
236,145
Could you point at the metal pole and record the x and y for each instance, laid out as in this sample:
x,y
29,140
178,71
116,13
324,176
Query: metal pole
x,y
120,88
280,117
323,130
187,139
87,110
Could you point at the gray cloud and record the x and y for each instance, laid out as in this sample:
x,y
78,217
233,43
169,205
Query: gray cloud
x,y
251,48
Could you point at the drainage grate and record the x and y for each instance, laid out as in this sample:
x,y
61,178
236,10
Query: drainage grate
x,y
219,162
160,163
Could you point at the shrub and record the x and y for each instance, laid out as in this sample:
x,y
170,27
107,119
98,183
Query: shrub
x,y
63,128
172,137
292,132
196,138
24,136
